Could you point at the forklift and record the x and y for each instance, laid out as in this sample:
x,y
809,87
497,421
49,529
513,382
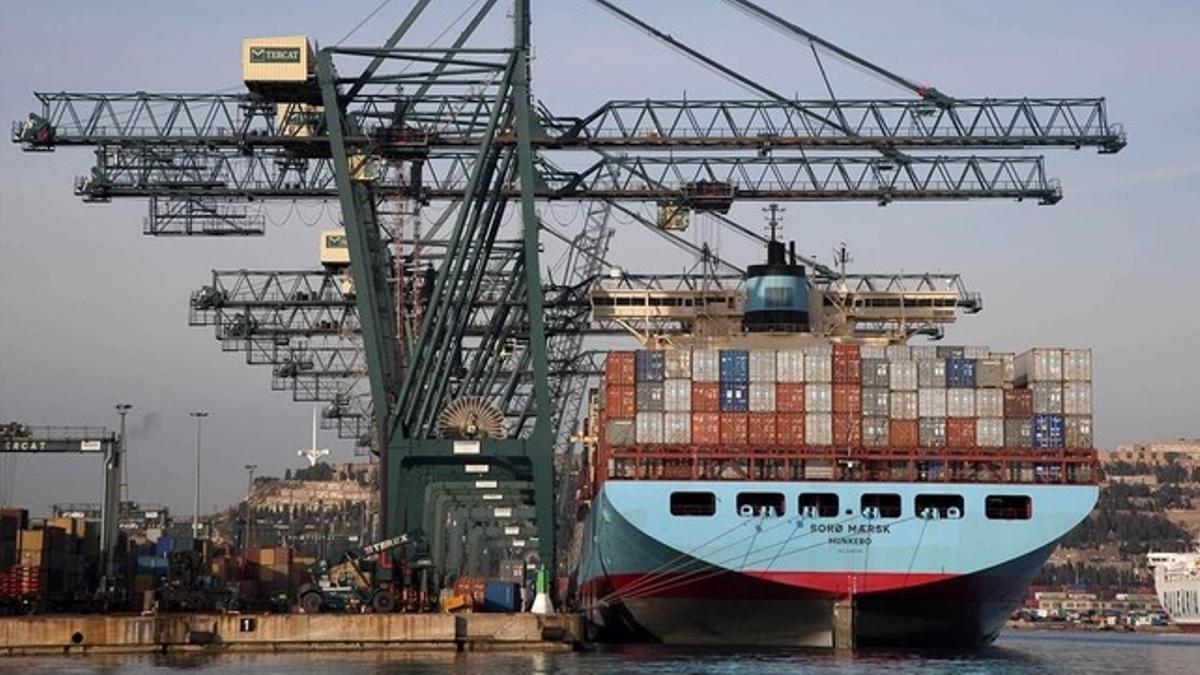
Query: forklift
x,y
353,580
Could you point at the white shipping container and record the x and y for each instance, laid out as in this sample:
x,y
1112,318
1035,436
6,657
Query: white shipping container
x,y
931,402
1047,398
818,429
1078,432
677,363
677,395
649,427
960,402
976,352
789,365
818,398
1039,365
762,397
706,365
762,365
872,352
903,375
1010,369
931,373
818,350
875,373
989,402
818,367
903,405
875,431
924,352
677,427
1077,365
875,402
895,353
989,432
1077,398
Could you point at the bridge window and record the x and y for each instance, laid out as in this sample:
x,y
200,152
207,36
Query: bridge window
x,y
777,296
822,504
1008,507
769,504
944,506
693,503
882,505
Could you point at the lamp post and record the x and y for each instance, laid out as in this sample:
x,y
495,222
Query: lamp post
x,y
248,539
122,410
199,415
111,505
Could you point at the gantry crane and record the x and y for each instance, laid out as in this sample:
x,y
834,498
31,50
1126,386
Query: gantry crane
x,y
450,140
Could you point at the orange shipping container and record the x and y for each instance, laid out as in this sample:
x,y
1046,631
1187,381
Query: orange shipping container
x,y
706,428
789,429
960,432
846,351
735,428
620,402
1018,403
789,397
903,434
762,429
847,399
620,368
847,430
847,369
706,397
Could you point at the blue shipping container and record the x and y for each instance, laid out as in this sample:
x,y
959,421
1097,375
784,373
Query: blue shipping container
x,y
502,596
735,397
735,365
164,547
1047,431
960,373
649,366
151,564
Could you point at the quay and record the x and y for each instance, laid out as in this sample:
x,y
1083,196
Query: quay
x,y
164,633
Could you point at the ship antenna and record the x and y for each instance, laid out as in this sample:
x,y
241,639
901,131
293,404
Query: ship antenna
x,y
841,257
773,212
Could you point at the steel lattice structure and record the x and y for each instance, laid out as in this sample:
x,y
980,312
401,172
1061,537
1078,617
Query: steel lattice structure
x,y
418,319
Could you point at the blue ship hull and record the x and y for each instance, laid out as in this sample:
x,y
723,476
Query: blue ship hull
x,y
774,579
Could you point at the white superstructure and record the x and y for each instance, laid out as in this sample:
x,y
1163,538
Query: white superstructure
x,y
1177,582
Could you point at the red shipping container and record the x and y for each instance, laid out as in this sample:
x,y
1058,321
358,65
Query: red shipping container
x,y
960,432
847,398
847,430
735,428
846,351
706,428
620,368
789,429
903,434
1018,403
620,402
706,397
789,397
762,429
847,369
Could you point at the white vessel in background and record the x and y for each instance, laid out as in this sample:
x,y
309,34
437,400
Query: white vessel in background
x,y
1177,582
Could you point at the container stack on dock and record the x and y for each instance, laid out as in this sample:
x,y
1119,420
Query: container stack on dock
x,y
44,565
956,400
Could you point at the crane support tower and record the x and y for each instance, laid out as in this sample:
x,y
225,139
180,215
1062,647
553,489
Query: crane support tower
x,y
430,310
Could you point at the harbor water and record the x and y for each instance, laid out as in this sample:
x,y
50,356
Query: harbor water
x,y
1014,652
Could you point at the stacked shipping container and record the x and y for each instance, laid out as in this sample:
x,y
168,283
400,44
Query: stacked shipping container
x,y
957,398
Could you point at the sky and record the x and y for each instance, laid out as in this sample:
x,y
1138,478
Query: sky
x,y
93,313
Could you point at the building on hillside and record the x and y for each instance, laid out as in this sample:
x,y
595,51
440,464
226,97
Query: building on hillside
x,y
1186,451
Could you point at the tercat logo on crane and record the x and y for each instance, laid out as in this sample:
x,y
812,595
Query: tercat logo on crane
x,y
274,55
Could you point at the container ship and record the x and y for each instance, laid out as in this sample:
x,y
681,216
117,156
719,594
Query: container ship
x,y
768,478
1177,583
